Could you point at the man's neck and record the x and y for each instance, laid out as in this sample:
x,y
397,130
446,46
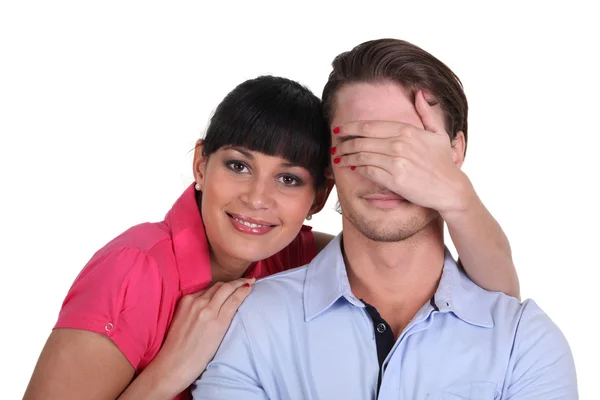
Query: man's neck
x,y
397,278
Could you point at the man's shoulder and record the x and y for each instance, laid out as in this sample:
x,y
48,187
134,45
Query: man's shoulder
x,y
537,328
526,314
541,360
497,309
520,324
276,291
535,334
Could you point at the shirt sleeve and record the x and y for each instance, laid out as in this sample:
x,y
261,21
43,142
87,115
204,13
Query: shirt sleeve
x,y
232,374
117,294
541,365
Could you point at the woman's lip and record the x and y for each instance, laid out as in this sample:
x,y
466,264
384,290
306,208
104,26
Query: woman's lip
x,y
257,230
251,220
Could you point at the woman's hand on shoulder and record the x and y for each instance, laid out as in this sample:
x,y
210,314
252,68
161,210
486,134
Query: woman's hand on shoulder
x,y
198,327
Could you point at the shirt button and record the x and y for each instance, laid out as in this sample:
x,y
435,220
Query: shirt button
x,y
109,327
381,327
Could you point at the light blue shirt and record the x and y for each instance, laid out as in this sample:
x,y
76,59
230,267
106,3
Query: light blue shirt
x,y
302,334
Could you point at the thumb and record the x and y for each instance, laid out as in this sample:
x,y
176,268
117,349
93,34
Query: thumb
x,y
430,120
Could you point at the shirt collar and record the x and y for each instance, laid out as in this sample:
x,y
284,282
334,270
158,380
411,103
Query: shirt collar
x,y
189,242
458,294
327,282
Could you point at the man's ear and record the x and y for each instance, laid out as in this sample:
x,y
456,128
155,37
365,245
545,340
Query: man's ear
x,y
459,146
199,164
323,194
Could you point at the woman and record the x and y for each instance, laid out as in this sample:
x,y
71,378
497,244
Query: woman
x,y
259,173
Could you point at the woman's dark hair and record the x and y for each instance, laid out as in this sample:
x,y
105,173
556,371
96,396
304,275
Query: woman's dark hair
x,y
274,116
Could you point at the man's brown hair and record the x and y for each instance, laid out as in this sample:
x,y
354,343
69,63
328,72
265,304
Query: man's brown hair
x,y
398,61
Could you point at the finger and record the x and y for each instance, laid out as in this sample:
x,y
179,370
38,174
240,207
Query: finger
x,y
208,293
371,129
233,302
225,291
377,175
199,293
371,145
385,162
432,119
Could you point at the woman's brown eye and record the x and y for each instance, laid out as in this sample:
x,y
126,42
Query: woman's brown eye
x,y
237,167
289,180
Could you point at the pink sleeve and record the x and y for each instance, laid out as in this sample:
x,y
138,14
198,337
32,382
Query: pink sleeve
x,y
118,294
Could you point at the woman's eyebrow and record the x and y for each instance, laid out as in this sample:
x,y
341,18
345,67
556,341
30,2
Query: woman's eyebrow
x,y
241,150
290,165
251,157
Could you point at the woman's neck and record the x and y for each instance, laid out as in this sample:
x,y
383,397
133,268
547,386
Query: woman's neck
x,y
225,269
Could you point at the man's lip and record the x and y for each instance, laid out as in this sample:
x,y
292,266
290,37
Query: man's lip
x,y
384,197
251,220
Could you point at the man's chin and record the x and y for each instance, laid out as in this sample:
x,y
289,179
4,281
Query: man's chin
x,y
390,225
381,229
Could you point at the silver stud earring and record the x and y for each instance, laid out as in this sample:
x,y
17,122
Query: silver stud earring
x,y
198,187
309,217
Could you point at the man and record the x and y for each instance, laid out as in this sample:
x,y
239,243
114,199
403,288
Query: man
x,y
384,311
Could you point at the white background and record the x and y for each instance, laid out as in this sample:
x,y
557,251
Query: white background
x,y
101,103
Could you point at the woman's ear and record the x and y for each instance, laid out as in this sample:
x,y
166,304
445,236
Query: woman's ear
x,y
199,164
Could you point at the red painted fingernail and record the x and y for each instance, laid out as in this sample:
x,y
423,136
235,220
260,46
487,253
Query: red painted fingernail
x,y
336,160
336,130
332,150
247,284
353,168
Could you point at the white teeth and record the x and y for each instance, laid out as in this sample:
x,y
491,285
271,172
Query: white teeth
x,y
248,224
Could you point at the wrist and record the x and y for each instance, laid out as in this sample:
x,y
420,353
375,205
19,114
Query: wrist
x,y
160,382
466,203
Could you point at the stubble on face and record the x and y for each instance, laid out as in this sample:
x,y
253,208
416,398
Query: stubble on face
x,y
387,226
